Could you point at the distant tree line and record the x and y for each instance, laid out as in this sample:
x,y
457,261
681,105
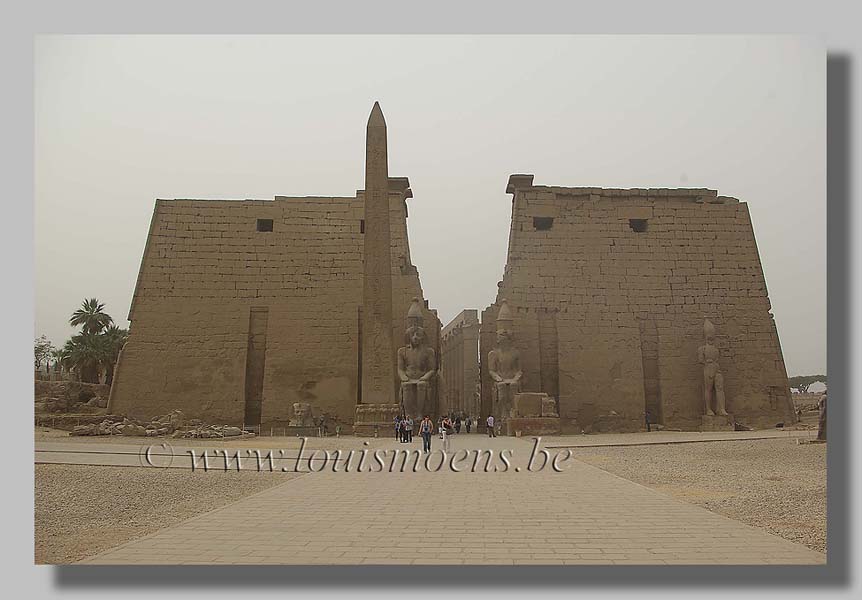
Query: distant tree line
x,y
802,382
87,354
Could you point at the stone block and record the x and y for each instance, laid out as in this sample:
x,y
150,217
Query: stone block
x,y
375,418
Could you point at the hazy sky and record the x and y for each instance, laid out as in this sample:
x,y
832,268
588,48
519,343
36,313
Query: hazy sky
x,y
122,120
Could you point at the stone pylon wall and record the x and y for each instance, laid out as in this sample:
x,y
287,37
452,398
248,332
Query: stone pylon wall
x,y
206,268
609,290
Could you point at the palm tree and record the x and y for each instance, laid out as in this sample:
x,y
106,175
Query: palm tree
x,y
91,317
115,338
61,358
86,353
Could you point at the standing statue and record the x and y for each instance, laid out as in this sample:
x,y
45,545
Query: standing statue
x,y
504,364
713,380
417,365
821,421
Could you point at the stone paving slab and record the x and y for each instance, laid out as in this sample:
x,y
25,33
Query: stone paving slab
x,y
582,515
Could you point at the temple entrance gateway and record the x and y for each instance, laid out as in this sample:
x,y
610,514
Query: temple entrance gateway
x,y
600,307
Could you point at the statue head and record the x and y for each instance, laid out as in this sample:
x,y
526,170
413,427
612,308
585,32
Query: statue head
x,y
416,336
505,323
414,313
708,331
504,337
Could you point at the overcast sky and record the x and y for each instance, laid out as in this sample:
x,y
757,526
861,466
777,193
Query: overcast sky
x,y
122,120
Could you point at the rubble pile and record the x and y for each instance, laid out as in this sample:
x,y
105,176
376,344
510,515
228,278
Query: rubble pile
x,y
111,425
70,396
212,431
174,424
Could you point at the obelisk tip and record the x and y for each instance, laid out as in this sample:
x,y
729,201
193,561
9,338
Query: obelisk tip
x,y
376,118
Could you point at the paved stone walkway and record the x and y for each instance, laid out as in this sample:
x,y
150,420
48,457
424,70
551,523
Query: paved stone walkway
x,y
581,516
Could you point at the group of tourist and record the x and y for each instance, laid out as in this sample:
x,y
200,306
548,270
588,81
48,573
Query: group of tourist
x,y
404,431
446,427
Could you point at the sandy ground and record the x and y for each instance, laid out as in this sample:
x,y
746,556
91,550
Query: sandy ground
x,y
776,485
83,510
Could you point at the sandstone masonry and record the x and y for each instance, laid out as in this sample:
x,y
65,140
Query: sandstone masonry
x,y
244,307
609,290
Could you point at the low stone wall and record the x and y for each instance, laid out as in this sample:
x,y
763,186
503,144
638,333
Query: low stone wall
x,y
56,389
66,396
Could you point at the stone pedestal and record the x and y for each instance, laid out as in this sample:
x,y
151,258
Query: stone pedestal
x,y
529,404
529,426
533,414
371,418
717,423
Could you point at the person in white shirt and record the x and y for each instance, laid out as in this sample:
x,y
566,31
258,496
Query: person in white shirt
x,y
490,424
446,430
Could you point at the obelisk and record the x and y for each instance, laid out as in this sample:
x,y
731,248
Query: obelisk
x,y
378,351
